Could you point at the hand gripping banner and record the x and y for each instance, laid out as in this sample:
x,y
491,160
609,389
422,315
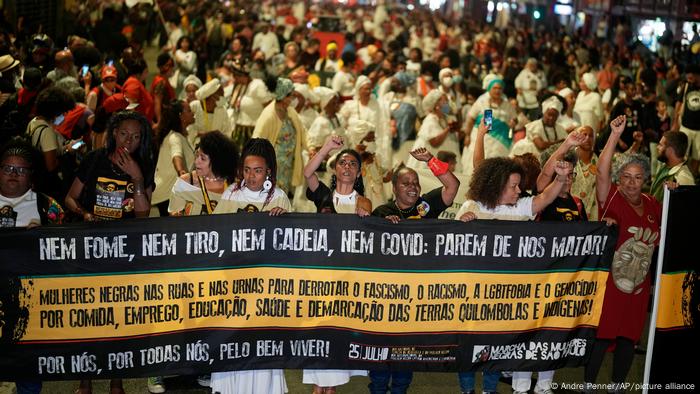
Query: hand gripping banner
x,y
189,295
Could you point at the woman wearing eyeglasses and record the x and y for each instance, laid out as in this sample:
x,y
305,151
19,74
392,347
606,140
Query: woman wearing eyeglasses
x,y
20,206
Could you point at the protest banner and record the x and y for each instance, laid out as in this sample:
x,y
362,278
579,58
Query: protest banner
x,y
189,295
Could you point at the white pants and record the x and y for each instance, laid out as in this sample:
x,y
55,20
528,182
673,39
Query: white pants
x,y
522,381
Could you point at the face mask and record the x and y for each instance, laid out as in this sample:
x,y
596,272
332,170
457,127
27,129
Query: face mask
x,y
447,82
59,119
457,79
294,103
445,108
428,78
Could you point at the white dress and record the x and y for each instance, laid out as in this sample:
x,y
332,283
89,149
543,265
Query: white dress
x,y
376,114
345,204
174,144
258,381
492,147
537,129
205,122
589,109
432,127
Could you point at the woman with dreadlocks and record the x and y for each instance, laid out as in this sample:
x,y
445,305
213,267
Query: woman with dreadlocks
x,y
256,191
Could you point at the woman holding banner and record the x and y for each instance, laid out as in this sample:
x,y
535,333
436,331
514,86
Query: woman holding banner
x,y
255,192
20,206
503,203
198,192
638,216
408,203
344,196
115,183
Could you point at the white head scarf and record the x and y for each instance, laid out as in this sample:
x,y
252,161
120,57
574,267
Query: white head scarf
x,y
590,81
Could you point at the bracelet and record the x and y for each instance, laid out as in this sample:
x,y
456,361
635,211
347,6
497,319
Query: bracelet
x,y
437,166
138,187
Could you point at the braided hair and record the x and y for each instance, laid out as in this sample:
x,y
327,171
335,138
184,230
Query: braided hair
x,y
22,148
262,148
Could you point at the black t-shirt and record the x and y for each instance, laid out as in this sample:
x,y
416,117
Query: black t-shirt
x,y
691,107
564,210
428,206
322,197
108,192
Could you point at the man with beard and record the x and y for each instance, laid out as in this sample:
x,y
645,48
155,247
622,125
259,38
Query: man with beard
x,y
672,166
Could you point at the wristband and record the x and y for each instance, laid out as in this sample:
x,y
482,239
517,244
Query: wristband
x,y
438,167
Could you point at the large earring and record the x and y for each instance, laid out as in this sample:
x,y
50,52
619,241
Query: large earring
x,y
267,185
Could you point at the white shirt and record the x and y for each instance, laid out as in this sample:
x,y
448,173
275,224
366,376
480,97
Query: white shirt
x,y
236,199
19,211
529,84
343,83
268,43
174,144
205,122
345,203
376,114
432,127
521,211
589,109
252,103
321,128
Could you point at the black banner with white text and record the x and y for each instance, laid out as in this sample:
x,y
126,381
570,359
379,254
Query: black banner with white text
x,y
190,295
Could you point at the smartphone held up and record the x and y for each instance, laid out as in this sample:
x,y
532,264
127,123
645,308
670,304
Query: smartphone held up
x,y
488,119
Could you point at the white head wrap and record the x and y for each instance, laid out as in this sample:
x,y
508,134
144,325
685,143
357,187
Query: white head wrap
x,y
192,80
590,81
357,130
565,92
552,102
487,80
431,100
361,81
443,73
207,89
305,91
324,95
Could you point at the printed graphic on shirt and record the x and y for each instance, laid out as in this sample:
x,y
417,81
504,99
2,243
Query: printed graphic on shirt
x,y
8,216
693,100
250,208
567,214
633,258
110,198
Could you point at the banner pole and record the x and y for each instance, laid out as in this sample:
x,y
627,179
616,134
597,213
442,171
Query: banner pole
x,y
657,290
